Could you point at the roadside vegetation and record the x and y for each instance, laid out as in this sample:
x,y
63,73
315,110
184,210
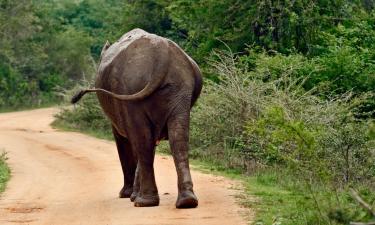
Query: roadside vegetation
x,y
4,171
288,104
301,152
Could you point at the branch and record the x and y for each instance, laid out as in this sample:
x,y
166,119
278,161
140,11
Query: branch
x,y
364,204
358,223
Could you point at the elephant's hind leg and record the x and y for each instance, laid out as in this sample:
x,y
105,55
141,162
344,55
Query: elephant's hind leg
x,y
144,144
178,132
128,163
136,186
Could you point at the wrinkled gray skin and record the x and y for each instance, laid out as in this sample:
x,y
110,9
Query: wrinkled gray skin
x,y
146,85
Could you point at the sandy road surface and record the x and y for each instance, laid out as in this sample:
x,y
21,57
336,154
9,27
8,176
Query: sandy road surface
x,y
70,178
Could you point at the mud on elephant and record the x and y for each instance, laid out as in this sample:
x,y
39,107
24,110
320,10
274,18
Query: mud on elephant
x,y
146,85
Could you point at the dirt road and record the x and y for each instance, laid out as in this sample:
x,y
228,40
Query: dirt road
x,y
70,178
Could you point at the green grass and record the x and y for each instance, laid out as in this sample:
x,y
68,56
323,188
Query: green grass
x,y
4,172
273,203
279,198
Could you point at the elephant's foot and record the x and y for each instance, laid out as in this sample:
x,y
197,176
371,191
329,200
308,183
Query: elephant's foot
x,y
126,192
133,196
146,201
186,199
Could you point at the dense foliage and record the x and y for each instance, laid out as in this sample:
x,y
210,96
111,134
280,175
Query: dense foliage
x,y
50,44
45,45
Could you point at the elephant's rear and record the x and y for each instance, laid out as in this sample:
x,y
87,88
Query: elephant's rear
x,y
132,63
139,59
127,67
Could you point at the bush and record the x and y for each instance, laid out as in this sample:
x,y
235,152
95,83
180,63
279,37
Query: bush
x,y
4,171
248,120
86,116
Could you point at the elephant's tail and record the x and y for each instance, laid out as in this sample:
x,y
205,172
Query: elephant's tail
x,y
145,92
78,96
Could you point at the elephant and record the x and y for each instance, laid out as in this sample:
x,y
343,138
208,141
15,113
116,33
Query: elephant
x,y
146,85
